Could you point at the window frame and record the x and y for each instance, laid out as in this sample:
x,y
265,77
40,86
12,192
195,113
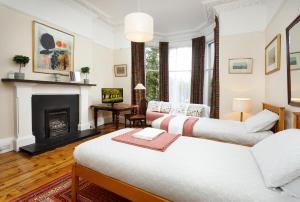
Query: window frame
x,y
208,68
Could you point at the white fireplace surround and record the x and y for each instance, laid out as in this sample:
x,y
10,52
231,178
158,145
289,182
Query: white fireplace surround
x,y
24,92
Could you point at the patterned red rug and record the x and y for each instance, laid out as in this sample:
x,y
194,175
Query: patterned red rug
x,y
60,190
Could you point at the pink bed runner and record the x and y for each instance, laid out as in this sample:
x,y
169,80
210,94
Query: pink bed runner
x,y
164,125
188,126
160,143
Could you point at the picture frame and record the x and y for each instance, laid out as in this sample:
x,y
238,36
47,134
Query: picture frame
x,y
240,66
120,70
52,50
272,55
295,61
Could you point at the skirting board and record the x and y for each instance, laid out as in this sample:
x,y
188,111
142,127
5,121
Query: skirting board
x,y
6,145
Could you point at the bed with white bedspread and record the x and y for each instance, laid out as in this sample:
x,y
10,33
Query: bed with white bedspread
x,y
222,130
191,169
250,132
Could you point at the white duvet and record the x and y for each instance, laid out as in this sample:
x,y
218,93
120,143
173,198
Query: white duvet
x,y
224,130
191,169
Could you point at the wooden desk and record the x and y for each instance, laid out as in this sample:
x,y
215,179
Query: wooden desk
x,y
116,110
297,120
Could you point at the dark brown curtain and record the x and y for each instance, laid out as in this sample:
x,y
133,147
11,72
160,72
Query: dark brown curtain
x,y
215,96
137,71
164,71
197,80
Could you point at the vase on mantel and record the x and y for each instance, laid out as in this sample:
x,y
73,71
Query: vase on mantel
x,y
19,75
86,81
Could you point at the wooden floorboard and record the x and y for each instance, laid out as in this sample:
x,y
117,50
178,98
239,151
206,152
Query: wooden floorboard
x,y
20,173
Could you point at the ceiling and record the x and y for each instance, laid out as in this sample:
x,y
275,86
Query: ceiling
x,y
170,16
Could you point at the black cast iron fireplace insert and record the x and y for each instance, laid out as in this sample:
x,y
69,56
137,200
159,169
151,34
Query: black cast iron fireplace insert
x,y
57,122
54,117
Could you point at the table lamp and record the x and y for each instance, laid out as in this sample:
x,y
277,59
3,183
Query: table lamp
x,y
241,105
139,86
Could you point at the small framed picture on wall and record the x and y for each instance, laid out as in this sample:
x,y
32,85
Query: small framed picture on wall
x,y
295,61
272,56
120,70
240,66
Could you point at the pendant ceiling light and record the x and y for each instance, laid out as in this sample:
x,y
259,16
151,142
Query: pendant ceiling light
x,y
139,26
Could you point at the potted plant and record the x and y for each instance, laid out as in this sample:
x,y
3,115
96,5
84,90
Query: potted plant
x,y
22,61
85,71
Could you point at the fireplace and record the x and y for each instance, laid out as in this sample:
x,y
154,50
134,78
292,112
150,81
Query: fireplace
x,y
54,117
57,122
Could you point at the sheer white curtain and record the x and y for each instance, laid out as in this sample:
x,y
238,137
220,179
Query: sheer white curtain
x,y
210,54
180,66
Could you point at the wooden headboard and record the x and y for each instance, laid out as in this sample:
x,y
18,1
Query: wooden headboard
x,y
296,120
281,113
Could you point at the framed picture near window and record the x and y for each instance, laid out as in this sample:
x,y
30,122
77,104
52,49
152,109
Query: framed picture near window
x,y
272,55
120,70
53,50
240,66
295,61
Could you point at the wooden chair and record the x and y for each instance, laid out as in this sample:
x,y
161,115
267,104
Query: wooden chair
x,y
139,117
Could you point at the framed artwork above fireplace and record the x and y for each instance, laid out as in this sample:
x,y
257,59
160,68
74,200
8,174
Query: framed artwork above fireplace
x,y
53,50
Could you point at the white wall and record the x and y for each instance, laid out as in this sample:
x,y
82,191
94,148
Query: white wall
x,y
276,83
123,56
248,45
16,38
66,14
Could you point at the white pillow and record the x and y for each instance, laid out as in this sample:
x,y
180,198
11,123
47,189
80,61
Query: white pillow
x,y
262,121
292,188
165,107
194,110
179,108
154,106
278,157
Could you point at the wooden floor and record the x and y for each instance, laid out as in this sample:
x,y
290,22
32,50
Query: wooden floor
x,y
20,173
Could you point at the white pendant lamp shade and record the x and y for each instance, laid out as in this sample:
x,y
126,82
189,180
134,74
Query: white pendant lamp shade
x,y
139,27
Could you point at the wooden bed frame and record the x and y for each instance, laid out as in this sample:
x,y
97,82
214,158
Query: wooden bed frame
x,y
296,120
131,192
280,125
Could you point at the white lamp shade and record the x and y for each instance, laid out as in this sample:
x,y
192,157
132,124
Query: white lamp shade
x,y
241,105
139,86
139,27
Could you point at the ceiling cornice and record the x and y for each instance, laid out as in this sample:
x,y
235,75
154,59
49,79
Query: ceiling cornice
x,y
229,5
213,8
98,12
204,30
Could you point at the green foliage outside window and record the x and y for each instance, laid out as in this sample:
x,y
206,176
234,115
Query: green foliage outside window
x,y
152,73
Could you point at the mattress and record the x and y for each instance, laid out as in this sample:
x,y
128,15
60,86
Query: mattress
x,y
223,130
191,169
